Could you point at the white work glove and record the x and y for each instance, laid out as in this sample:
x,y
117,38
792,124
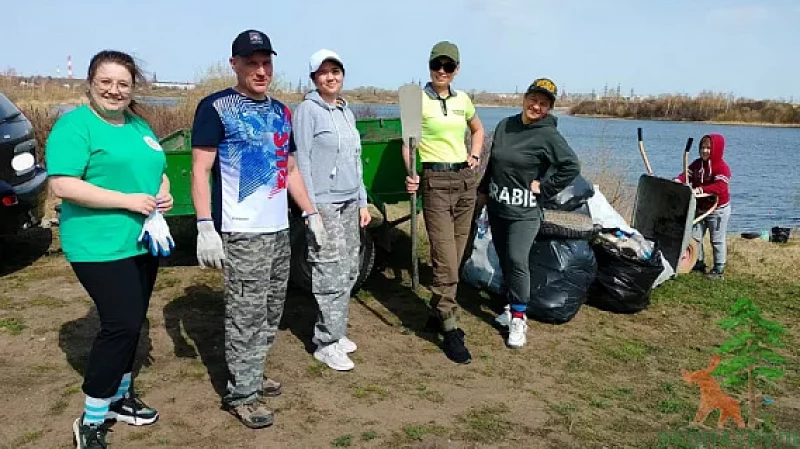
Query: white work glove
x,y
155,234
209,245
315,226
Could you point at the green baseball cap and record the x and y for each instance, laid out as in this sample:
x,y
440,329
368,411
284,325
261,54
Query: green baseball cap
x,y
445,48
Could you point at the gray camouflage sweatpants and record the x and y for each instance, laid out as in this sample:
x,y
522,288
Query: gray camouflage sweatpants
x,y
334,269
256,274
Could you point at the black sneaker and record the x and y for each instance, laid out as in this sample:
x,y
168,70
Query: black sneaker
x,y
433,325
699,267
131,410
453,346
89,436
716,273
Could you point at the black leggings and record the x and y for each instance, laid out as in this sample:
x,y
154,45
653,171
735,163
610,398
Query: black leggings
x,y
121,292
513,240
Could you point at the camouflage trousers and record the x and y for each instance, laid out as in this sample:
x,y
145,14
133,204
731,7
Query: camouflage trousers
x,y
256,274
334,268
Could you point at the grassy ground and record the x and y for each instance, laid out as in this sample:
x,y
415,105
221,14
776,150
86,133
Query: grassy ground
x,y
600,381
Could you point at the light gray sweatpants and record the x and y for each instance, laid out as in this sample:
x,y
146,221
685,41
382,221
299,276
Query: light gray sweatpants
x,y
334,268
717,225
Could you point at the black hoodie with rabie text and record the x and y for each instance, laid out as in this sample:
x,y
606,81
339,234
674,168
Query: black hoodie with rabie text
x,y
520,154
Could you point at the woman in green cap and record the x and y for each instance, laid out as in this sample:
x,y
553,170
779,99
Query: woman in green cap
x,y
529,162
448,187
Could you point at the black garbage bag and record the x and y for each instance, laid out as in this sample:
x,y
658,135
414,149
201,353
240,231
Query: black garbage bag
x,y
561,273
623,283
572,197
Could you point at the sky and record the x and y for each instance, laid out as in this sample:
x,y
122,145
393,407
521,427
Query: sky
x,y
744,47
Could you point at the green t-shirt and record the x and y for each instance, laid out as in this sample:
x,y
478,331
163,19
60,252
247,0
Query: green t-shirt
x,y
125,158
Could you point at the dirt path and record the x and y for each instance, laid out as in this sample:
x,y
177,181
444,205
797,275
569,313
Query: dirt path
x,y
600,381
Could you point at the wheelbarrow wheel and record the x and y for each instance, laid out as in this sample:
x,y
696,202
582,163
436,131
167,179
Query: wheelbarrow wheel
x,y
300,272
689,257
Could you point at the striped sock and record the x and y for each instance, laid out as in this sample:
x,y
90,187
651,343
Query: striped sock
x,y
94,410
123,387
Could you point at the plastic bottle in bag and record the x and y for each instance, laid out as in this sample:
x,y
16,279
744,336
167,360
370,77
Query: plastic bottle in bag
x,y
644,247
482,224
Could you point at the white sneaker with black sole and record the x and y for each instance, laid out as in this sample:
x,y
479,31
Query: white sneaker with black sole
x,y
517,333
333,356
131,410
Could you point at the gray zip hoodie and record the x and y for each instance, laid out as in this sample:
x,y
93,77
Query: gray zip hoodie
x,y
328,150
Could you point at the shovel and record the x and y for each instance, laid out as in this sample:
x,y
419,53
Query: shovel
x,y
410,96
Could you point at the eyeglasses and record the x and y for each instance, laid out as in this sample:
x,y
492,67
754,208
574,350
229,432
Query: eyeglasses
x,y
437,64
106,85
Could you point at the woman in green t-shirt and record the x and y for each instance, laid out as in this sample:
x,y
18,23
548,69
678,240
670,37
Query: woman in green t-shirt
x,y
107,167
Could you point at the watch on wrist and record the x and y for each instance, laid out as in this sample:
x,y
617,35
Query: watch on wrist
x,y
477,158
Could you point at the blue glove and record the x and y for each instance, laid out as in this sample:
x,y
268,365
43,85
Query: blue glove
x,y
155,234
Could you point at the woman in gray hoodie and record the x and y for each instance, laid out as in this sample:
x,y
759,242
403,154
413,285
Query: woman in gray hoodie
x,y
328,150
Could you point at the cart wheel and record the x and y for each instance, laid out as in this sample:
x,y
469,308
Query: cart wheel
x,y
689,257
300,275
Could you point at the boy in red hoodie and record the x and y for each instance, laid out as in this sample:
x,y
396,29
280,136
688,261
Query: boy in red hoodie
x,y
710,174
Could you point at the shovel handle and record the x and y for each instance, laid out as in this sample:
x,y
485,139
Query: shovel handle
x,y
412,169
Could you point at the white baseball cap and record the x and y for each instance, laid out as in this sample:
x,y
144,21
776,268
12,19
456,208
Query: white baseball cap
x,y
321,56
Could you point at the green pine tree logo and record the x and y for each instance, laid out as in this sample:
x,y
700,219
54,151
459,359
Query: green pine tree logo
x,y
751,358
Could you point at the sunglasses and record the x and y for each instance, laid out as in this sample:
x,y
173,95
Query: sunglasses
x,y
436,65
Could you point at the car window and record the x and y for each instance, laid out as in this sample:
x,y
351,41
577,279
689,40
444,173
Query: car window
x,y
7,108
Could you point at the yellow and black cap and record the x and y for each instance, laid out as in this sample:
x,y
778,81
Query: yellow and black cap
x,y
545,86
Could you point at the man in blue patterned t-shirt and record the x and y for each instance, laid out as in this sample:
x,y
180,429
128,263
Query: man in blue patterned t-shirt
x,y
240,138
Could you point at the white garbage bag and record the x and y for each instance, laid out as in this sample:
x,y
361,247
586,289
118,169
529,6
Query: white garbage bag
x,y
482,269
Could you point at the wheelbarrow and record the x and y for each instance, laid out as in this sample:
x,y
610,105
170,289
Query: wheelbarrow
x,y
664,212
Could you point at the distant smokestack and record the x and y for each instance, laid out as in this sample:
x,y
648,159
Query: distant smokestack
x,y
69,67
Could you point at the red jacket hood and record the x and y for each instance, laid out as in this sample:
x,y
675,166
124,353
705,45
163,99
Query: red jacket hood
x,y
717,147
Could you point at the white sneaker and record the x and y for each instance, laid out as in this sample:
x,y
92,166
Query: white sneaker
x,y
347,345
504,319
333,356
517,333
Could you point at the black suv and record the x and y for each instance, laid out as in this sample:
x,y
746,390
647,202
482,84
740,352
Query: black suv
x,y
23,181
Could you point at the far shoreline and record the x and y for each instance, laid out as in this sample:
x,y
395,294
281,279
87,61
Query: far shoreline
x,y
707,122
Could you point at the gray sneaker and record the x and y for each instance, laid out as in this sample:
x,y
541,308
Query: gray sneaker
x,y
254,415
89,436
270,387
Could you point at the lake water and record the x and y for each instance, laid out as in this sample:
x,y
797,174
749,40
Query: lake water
x,y
765,186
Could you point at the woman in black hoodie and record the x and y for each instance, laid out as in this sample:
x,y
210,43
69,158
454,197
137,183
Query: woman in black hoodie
x,y
530,161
